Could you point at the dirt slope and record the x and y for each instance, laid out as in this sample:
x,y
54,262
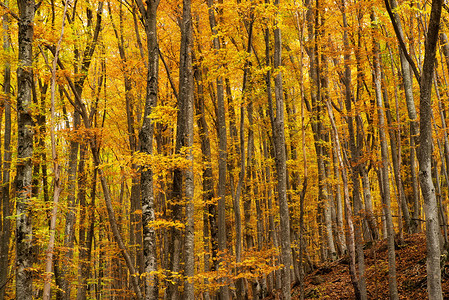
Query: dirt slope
x,y
332,280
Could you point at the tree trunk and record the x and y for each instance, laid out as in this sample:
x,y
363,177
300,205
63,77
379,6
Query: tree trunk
x,y
5,227
324,161
56,170
281,168
77,89
266,150
24,229
185,135
135,237
354,160
385,171
338,203
222,156
210,209
350,239
149,15
411,109
425,155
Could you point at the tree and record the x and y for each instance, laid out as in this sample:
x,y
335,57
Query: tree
x,y
425,143
425,155
222,138
24,227
277,123
5,232
146,146
385,169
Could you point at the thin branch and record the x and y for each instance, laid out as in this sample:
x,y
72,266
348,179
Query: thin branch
x,y
168,74
401,42
9,11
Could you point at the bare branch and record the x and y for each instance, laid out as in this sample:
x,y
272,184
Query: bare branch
x,y
401,41
9,11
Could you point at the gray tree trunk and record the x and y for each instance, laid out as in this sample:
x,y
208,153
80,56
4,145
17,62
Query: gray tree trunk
x,y
338,204
324,162
266,150
281,168
69,230
403,213
24,229
222,146
354,160
411,109
385,171
209,214
148,15
56,170
5,223
185,132
425,155
135,226
350,237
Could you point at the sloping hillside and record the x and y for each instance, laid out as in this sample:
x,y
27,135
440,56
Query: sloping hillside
x,y
332,280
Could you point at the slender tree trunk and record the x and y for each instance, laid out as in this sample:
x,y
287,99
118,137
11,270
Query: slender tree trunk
x,y
77,89
416,225
222,156
407,81
56,171
361,138
240,288
272,228
5,232
135,218
149,14
324,161
350,239
209,214
385,171
425,155
83,226
281,168
338,204
24,229
354,160
84,268
185,103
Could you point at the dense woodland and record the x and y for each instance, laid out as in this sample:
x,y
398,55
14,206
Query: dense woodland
x,y
218,149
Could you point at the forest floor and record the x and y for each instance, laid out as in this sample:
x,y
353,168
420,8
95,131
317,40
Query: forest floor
x,y
332,280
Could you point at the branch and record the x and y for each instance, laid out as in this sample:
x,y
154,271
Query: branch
x,y
9,11
445,7
168,74
78,104
401,42
61,67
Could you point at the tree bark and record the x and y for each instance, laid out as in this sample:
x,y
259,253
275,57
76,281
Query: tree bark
x,y
385,170
350,239
222,156
56,170
5,227
267,150
210,208
407,81
281,168
86,59
185,136
149,15
425,155
24,228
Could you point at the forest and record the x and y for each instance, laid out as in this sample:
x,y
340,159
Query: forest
x,y
219,149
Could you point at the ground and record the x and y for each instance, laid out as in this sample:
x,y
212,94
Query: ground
x,y
332,280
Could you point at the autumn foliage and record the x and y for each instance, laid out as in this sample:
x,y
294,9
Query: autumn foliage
x,y
203,149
